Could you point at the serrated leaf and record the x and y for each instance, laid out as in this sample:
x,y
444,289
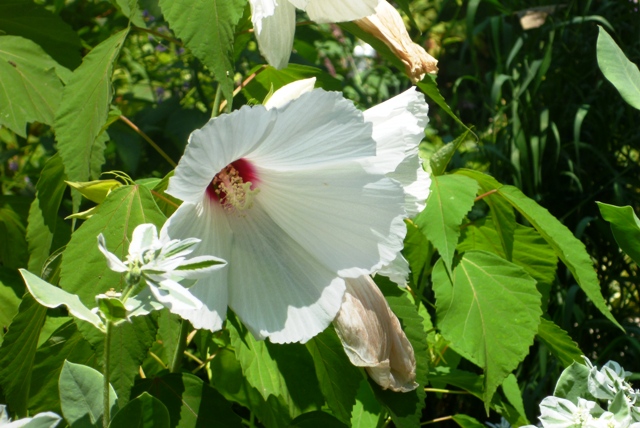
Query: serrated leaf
x,y
13,219
617,68
18,352
493,315
84,109
66,343
130,343
191,402
43,213
278,370
124,208
418,251
406,408
429,86
34,22
207,27
625,227
11,292
450,199
29,86
512,392
559,343
440,159
367,412
571,251
130,9
339,379
81,396
466,421
145,411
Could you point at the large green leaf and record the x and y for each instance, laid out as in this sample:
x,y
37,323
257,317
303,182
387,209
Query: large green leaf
x,y
571,251
30,88
559,343
124,208
625,227
489,309
367,412
451,197
144,411
130,343
32,21
191,402
406,408
617,68
13,219
207,28
66,343
339,379
43,214
279,370
18,352
227,378
84,109
81,396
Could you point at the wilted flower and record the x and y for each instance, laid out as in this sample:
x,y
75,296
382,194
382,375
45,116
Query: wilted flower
x,y
387,25
274,21
283,193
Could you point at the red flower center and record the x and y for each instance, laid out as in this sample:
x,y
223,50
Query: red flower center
x,y
234,186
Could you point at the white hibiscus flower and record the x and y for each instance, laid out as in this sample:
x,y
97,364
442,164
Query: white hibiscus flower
x,y
286,194
274,21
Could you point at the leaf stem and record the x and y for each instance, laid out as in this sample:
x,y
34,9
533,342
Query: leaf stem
x,y
182,345
435,421
445,391
215,110
148,140
484,195
158,34
106,417
244,83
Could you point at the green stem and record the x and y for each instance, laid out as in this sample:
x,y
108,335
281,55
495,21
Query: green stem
x,y
106,418
216,102
182,345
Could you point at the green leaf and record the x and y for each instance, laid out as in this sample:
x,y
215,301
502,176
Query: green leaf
x,y
450,199
227,378
130,9
43,213
18,352
493,315
573,383
34,22
144,411
512,392
124,208
339,379
66,343
617,68
130,343
625,227
501,210
13,219
571,251
112,309
84,109
467,421
440,159
278,370
11,292
418,252
367,412
96,190
316,419
559,343
207,27
51,296
81,396
406,408
429,86
191,402
27,74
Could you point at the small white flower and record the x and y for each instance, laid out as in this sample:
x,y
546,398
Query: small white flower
x,y
274,21
561,413
161,263
41,420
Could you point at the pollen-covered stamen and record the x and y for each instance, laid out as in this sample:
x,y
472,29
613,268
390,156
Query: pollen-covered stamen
x,y
234,186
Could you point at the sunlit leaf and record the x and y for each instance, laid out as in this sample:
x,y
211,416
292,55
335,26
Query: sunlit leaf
x,y
440,159
617,68
489,310
559,343
81,396
450,199
511,390
367,412
466,421
625,227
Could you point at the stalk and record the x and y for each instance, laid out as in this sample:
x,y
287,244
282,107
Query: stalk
x,y
182,345
106,417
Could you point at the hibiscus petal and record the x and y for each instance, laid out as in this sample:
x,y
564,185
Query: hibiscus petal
x,y
342,216
275,33
221,141
290,92
277,288
114,263
209,223
317,128
261,9
325,11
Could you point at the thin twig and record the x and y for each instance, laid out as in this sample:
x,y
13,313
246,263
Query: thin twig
x,y
158,34
148,140
435,421
445,391
244,83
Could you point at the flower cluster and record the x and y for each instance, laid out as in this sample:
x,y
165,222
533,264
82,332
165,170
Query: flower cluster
x,y
606,401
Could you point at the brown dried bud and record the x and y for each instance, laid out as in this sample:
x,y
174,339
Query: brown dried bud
x,y
387,25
